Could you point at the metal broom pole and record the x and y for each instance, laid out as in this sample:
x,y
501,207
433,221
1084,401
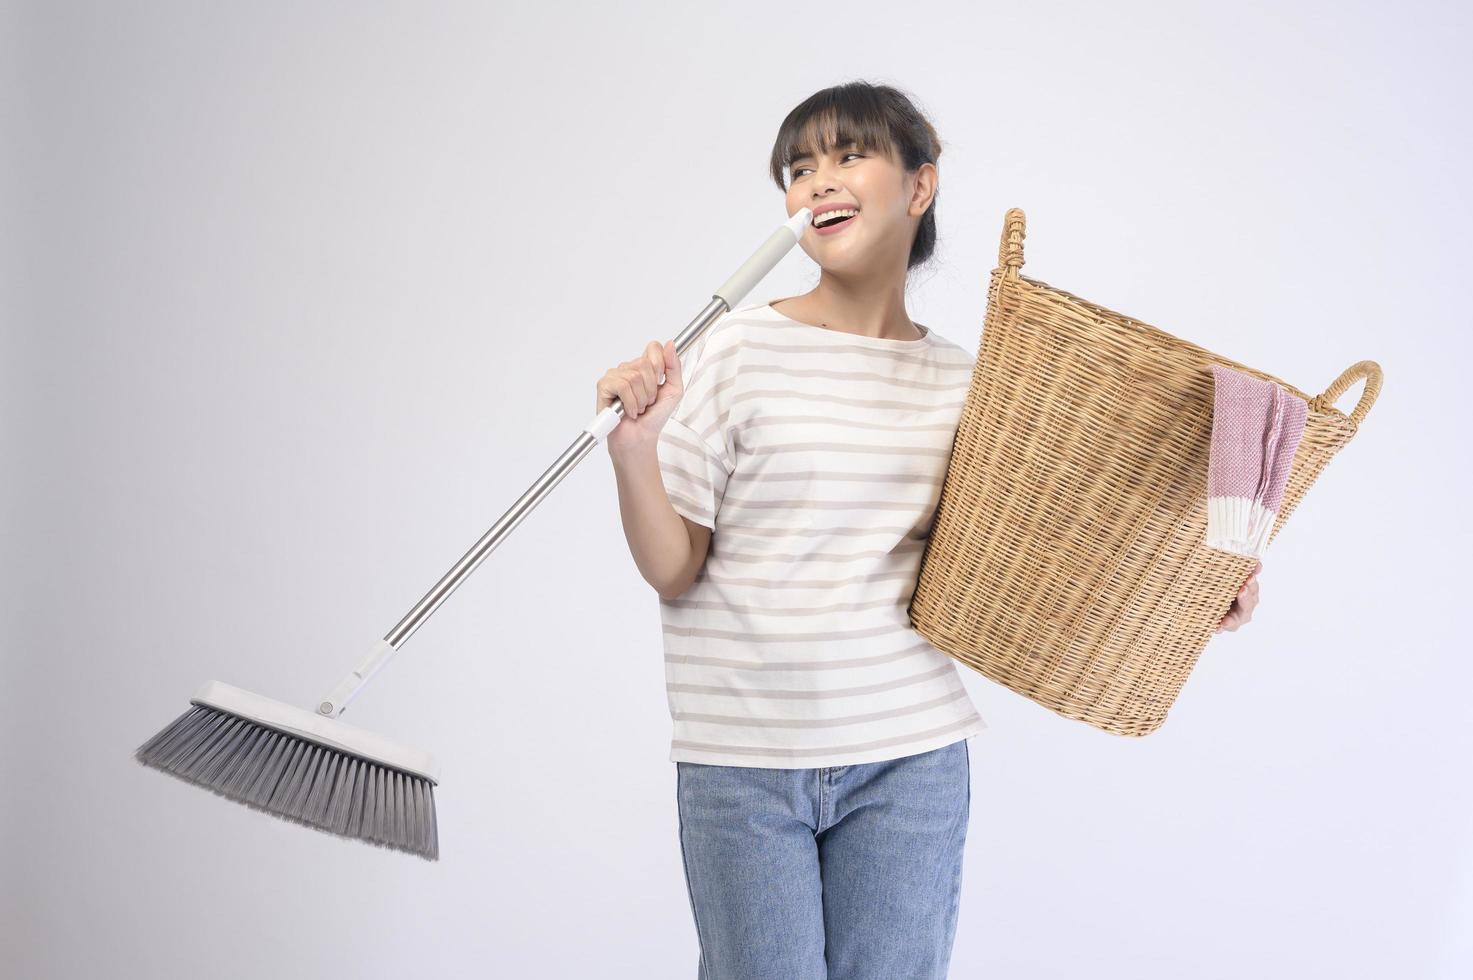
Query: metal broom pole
x,y
311,768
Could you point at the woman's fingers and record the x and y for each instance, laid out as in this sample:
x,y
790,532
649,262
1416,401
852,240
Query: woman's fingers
x,y
637,382
644,385
650,375
1242,608
628,396
654,355
654,366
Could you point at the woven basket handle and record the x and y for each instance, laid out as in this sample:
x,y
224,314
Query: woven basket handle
x,y
1369,370
1010,252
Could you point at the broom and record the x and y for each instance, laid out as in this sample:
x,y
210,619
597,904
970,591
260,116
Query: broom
x,y
311,768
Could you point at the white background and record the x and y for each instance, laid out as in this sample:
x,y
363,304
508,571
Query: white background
x,y
298,298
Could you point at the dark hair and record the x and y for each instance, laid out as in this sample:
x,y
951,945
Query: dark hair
x,y
877,118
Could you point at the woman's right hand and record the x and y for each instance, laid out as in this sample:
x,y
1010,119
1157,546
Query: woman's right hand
x,y
647,402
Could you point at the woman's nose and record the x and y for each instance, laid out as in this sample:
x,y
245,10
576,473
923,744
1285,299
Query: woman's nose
x,y
824,185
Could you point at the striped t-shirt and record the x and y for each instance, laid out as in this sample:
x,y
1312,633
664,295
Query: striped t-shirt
x,y
816,457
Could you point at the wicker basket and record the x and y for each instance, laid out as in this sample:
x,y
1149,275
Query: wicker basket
x,y
1067,559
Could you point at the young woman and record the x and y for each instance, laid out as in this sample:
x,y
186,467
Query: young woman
x,y
777,491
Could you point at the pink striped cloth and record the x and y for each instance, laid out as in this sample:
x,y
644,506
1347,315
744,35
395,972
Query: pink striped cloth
x,y
1256,427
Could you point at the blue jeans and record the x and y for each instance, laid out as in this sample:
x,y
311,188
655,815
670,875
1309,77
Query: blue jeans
x,y
839,873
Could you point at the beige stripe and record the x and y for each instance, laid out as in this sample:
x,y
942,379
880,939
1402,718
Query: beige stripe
x,y
906,505
951,407
719,425
839,447
730,350
724,606
779,530
923,357
701,452
700,480
843,692
743,557
828,398
746,722
767,583
762,420
883,658
767,476
768,750
888,380
787,637
920,356
947,367
704,512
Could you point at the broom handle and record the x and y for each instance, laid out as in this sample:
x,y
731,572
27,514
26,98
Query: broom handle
x,y
726,298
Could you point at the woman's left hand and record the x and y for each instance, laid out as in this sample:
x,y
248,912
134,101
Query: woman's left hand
x,y
1242,608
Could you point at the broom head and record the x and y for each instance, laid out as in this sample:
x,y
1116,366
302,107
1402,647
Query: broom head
x,y
302,767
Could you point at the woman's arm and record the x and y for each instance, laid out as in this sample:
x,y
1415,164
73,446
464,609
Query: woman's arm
x,y
668,547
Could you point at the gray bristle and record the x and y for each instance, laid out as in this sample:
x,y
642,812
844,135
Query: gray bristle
x,y
298,780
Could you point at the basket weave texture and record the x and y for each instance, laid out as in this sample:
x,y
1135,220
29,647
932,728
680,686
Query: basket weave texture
x,y
1067,560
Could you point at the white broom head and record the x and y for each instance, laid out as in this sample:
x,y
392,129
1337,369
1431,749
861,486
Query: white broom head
x,y
303,767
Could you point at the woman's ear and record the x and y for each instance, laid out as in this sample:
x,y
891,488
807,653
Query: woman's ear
x,y
923,191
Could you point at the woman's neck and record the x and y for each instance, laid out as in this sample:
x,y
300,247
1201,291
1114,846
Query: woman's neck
x,y
867,311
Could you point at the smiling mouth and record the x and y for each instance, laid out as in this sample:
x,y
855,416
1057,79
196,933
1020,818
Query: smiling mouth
x,y
832,226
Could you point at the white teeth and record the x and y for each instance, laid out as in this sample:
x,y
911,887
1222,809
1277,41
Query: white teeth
x,y
830,216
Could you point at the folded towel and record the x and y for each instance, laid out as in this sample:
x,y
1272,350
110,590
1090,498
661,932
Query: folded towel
x,y
1256,427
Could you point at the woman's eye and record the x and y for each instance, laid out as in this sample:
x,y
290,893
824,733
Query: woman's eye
x,y
841,160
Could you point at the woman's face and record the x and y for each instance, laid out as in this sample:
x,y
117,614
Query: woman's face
x,y
890,202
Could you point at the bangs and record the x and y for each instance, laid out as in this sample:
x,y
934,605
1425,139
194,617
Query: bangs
x,y
837,124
